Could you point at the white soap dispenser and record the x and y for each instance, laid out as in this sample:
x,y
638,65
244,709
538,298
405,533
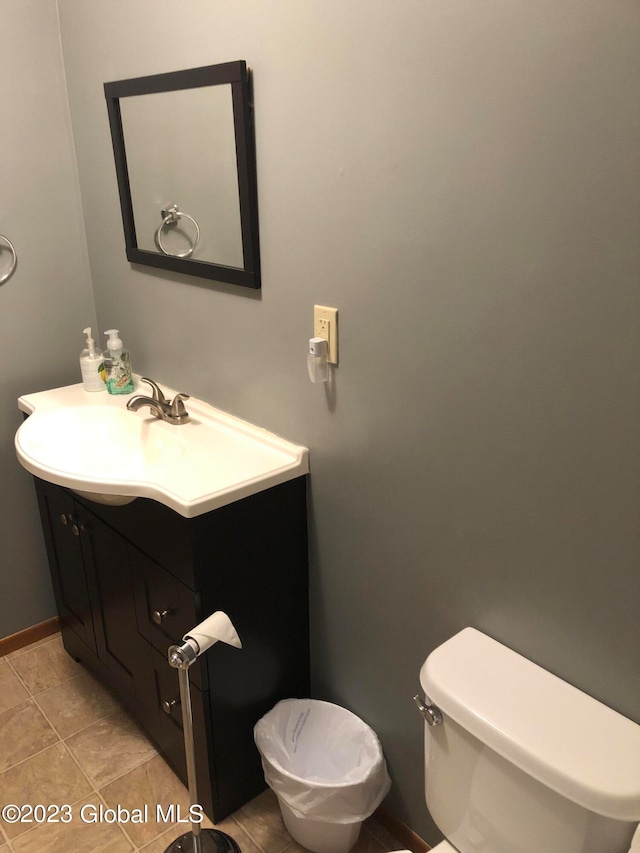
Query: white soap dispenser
x,y
117,362
91,365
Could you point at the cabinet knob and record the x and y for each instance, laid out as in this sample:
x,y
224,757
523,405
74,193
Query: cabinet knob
x,y
77,529
159,615
65,519
169,704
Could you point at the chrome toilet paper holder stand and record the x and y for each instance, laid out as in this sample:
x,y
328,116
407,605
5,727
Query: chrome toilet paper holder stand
x,y
217,627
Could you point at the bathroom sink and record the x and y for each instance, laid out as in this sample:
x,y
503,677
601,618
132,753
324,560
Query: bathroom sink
x,y
90,443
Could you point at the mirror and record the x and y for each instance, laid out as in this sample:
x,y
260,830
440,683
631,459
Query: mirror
x,y
185,161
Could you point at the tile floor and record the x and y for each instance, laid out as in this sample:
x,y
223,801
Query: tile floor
x,y
65,740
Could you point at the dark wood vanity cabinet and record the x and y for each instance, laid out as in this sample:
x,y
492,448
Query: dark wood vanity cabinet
x,y
131,580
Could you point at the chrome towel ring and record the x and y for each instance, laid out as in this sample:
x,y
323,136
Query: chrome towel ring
x,y
14,260
171,215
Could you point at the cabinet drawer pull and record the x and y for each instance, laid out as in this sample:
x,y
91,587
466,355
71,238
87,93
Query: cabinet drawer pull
x,y
159,615
169,704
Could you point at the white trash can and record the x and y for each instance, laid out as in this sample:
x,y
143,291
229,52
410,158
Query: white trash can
x,y
327,769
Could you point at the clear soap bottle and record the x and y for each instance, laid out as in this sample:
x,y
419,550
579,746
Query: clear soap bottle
x,y
117,362
91,365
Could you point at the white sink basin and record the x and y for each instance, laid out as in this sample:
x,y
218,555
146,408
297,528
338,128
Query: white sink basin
x,y
91,443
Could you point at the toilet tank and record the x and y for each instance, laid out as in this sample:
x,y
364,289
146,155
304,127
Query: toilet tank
x,y
523,762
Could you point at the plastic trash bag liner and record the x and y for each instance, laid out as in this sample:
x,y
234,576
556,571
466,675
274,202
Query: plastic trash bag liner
x,y
322,760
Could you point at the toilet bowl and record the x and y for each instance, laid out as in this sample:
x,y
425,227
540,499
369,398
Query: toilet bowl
x,y
518,760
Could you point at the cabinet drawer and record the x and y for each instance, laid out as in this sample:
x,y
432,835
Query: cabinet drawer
x,y
165,608
167,691
165,725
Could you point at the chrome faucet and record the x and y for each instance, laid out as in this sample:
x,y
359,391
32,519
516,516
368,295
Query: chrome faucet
x,y
171,411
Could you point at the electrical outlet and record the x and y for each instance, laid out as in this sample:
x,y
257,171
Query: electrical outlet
x,y
325,325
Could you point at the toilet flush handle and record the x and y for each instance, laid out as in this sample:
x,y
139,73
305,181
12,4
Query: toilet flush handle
x,y
430,712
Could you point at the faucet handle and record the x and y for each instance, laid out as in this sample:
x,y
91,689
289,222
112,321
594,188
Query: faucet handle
x,y
178,412
156,392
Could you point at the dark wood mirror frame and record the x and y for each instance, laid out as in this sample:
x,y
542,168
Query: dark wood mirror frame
x,y
236,74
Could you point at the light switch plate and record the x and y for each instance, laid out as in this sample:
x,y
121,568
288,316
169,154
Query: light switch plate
x,y
325,325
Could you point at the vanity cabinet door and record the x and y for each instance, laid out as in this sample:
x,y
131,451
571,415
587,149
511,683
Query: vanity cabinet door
x,y
62,533
119,645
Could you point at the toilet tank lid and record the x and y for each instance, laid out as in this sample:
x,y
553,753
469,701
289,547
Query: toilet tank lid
x,y
559,735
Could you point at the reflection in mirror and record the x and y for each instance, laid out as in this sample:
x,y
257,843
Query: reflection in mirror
x,y
184,152
196,170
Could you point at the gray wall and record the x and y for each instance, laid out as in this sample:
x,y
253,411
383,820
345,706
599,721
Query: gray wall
x,y
48,301
460,179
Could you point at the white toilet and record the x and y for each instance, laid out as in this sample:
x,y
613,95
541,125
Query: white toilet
x,y
519,761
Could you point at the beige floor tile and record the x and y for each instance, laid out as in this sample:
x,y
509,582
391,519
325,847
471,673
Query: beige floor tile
x,y
23,733
45,666
48,778
12,691
79,836
366,843
262,822
76,704
294,847
28,648
110,748
160,844
233,828
152,783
